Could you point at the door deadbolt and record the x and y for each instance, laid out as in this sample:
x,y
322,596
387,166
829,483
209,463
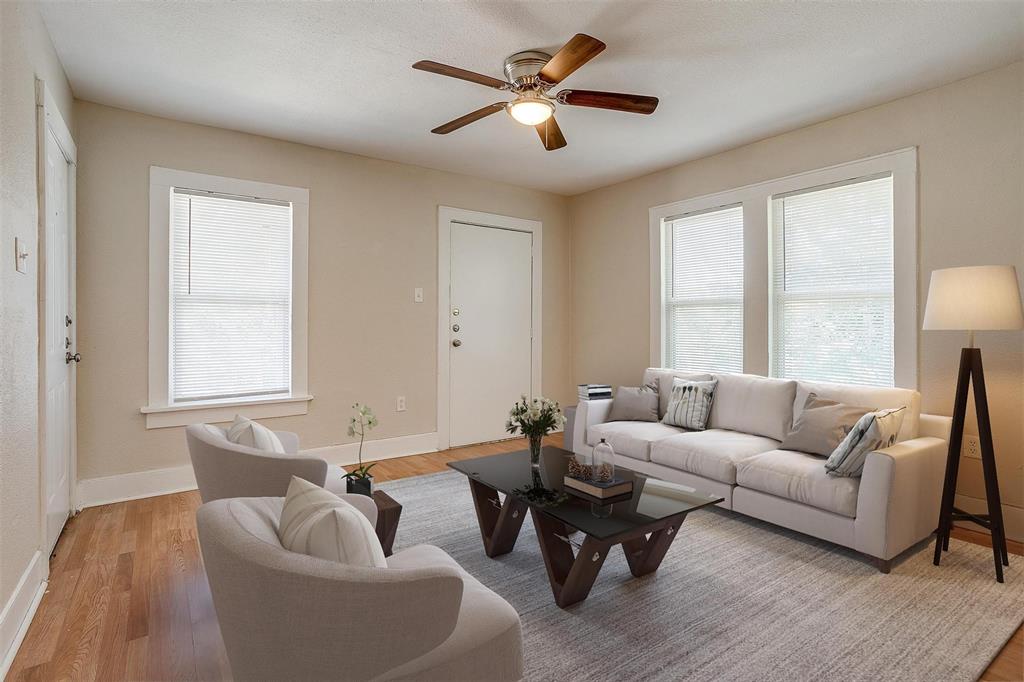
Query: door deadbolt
x,y
69,358
456,343
455,327
455,311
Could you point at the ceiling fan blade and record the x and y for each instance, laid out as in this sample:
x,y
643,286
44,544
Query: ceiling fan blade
x,y
468,118
634,104
462,74
551,135
580,49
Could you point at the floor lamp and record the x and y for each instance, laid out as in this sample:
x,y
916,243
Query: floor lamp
x,y
973,299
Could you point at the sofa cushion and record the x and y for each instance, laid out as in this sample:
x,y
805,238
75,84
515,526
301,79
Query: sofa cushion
x,y
632,439
873,396
799,477
752,404
662,378
712,454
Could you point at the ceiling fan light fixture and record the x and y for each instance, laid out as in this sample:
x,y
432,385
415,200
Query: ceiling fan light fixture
x,y
531,109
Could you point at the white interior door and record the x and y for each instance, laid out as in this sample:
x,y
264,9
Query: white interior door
x,y
58,336
489,329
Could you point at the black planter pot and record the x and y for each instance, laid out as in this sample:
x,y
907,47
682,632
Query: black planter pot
x,y
360,486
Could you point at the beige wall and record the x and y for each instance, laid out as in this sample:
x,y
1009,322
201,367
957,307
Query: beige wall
x,y
373,239
25,54
970,144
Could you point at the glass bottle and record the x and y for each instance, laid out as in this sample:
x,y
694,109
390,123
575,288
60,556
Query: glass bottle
x,y
603,463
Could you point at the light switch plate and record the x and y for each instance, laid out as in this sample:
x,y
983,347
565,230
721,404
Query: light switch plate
x,y
417,295
20,256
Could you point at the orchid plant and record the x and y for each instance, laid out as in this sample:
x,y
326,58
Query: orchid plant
x,y
358,424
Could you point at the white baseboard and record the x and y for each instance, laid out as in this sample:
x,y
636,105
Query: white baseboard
x,y
374,450
19,610
93,492
1013,517
136,485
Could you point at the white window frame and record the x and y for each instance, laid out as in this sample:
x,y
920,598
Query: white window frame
x,y
160,412
757,302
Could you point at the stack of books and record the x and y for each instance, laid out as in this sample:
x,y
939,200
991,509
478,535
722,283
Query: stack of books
x,y
602,490
594,391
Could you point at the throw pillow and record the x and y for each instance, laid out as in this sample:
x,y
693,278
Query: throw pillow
x,y
822,426
690,404
254,435
873,431
634,404
318,523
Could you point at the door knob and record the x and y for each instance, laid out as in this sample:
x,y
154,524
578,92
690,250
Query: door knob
x,y
456,343
69,358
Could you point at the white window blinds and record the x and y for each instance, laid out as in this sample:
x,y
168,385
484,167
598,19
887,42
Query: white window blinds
x,y
230,297
832,265
703,297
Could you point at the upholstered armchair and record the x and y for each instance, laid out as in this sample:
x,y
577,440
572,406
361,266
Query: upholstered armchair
x,y
289,616
226,469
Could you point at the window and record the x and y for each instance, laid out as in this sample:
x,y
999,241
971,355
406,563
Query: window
x,y
231,295
703,297
227,298
832,283
810,276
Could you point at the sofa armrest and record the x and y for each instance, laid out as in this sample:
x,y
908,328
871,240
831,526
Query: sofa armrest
x,y
588,413
900,492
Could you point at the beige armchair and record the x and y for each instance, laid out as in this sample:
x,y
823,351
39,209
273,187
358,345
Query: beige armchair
x,y
288,616
226,469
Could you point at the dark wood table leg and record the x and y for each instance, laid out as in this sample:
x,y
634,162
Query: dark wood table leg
x,y
388,513
644,555
499,522
571,576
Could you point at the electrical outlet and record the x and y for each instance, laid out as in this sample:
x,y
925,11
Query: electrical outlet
x,y
971,447
400,404
20,256
417,295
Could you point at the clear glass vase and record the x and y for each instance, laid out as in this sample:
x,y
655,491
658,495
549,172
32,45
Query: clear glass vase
x,y
535,443
603,466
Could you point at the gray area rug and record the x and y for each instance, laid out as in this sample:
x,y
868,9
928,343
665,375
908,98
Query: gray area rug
x,y
735,599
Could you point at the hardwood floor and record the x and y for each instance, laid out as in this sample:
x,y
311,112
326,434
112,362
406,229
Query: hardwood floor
x,y
128,598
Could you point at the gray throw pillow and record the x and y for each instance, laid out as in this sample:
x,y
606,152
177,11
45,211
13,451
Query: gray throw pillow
x,y
822,426
634,404
874,431
690,404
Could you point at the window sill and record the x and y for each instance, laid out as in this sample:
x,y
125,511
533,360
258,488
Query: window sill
x,y
164,416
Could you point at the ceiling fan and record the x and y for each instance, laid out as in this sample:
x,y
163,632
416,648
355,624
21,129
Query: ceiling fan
x,y
530,75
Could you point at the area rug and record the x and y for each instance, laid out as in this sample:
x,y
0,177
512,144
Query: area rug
x,y
735,599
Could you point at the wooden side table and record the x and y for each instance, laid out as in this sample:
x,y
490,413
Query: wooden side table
x,y
388,513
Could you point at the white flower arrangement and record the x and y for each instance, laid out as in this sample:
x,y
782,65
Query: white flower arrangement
x,y
534,417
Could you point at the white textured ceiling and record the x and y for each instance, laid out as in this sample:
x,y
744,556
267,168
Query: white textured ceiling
x,y
338,74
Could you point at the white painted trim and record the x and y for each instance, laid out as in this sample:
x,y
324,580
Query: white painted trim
x,y
224,411
161,182
446,215
93,492
756,246
139,484
20,609
376,450
1013,517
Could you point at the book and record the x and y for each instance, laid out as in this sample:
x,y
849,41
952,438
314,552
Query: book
x,y
613,488
594,391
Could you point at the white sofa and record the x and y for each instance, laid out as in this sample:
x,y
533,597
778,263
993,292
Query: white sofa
x,y
891,507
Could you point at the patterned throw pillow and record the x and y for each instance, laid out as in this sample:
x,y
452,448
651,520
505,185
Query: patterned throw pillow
x,y
254,435
689,404
318,523
873,431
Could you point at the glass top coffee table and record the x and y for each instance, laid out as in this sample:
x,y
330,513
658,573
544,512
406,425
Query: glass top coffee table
x,y
644,522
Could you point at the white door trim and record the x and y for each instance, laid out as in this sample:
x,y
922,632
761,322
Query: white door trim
x,y
447,215
48,117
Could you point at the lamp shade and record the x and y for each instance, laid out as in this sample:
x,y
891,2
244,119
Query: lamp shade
x,y
985,297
